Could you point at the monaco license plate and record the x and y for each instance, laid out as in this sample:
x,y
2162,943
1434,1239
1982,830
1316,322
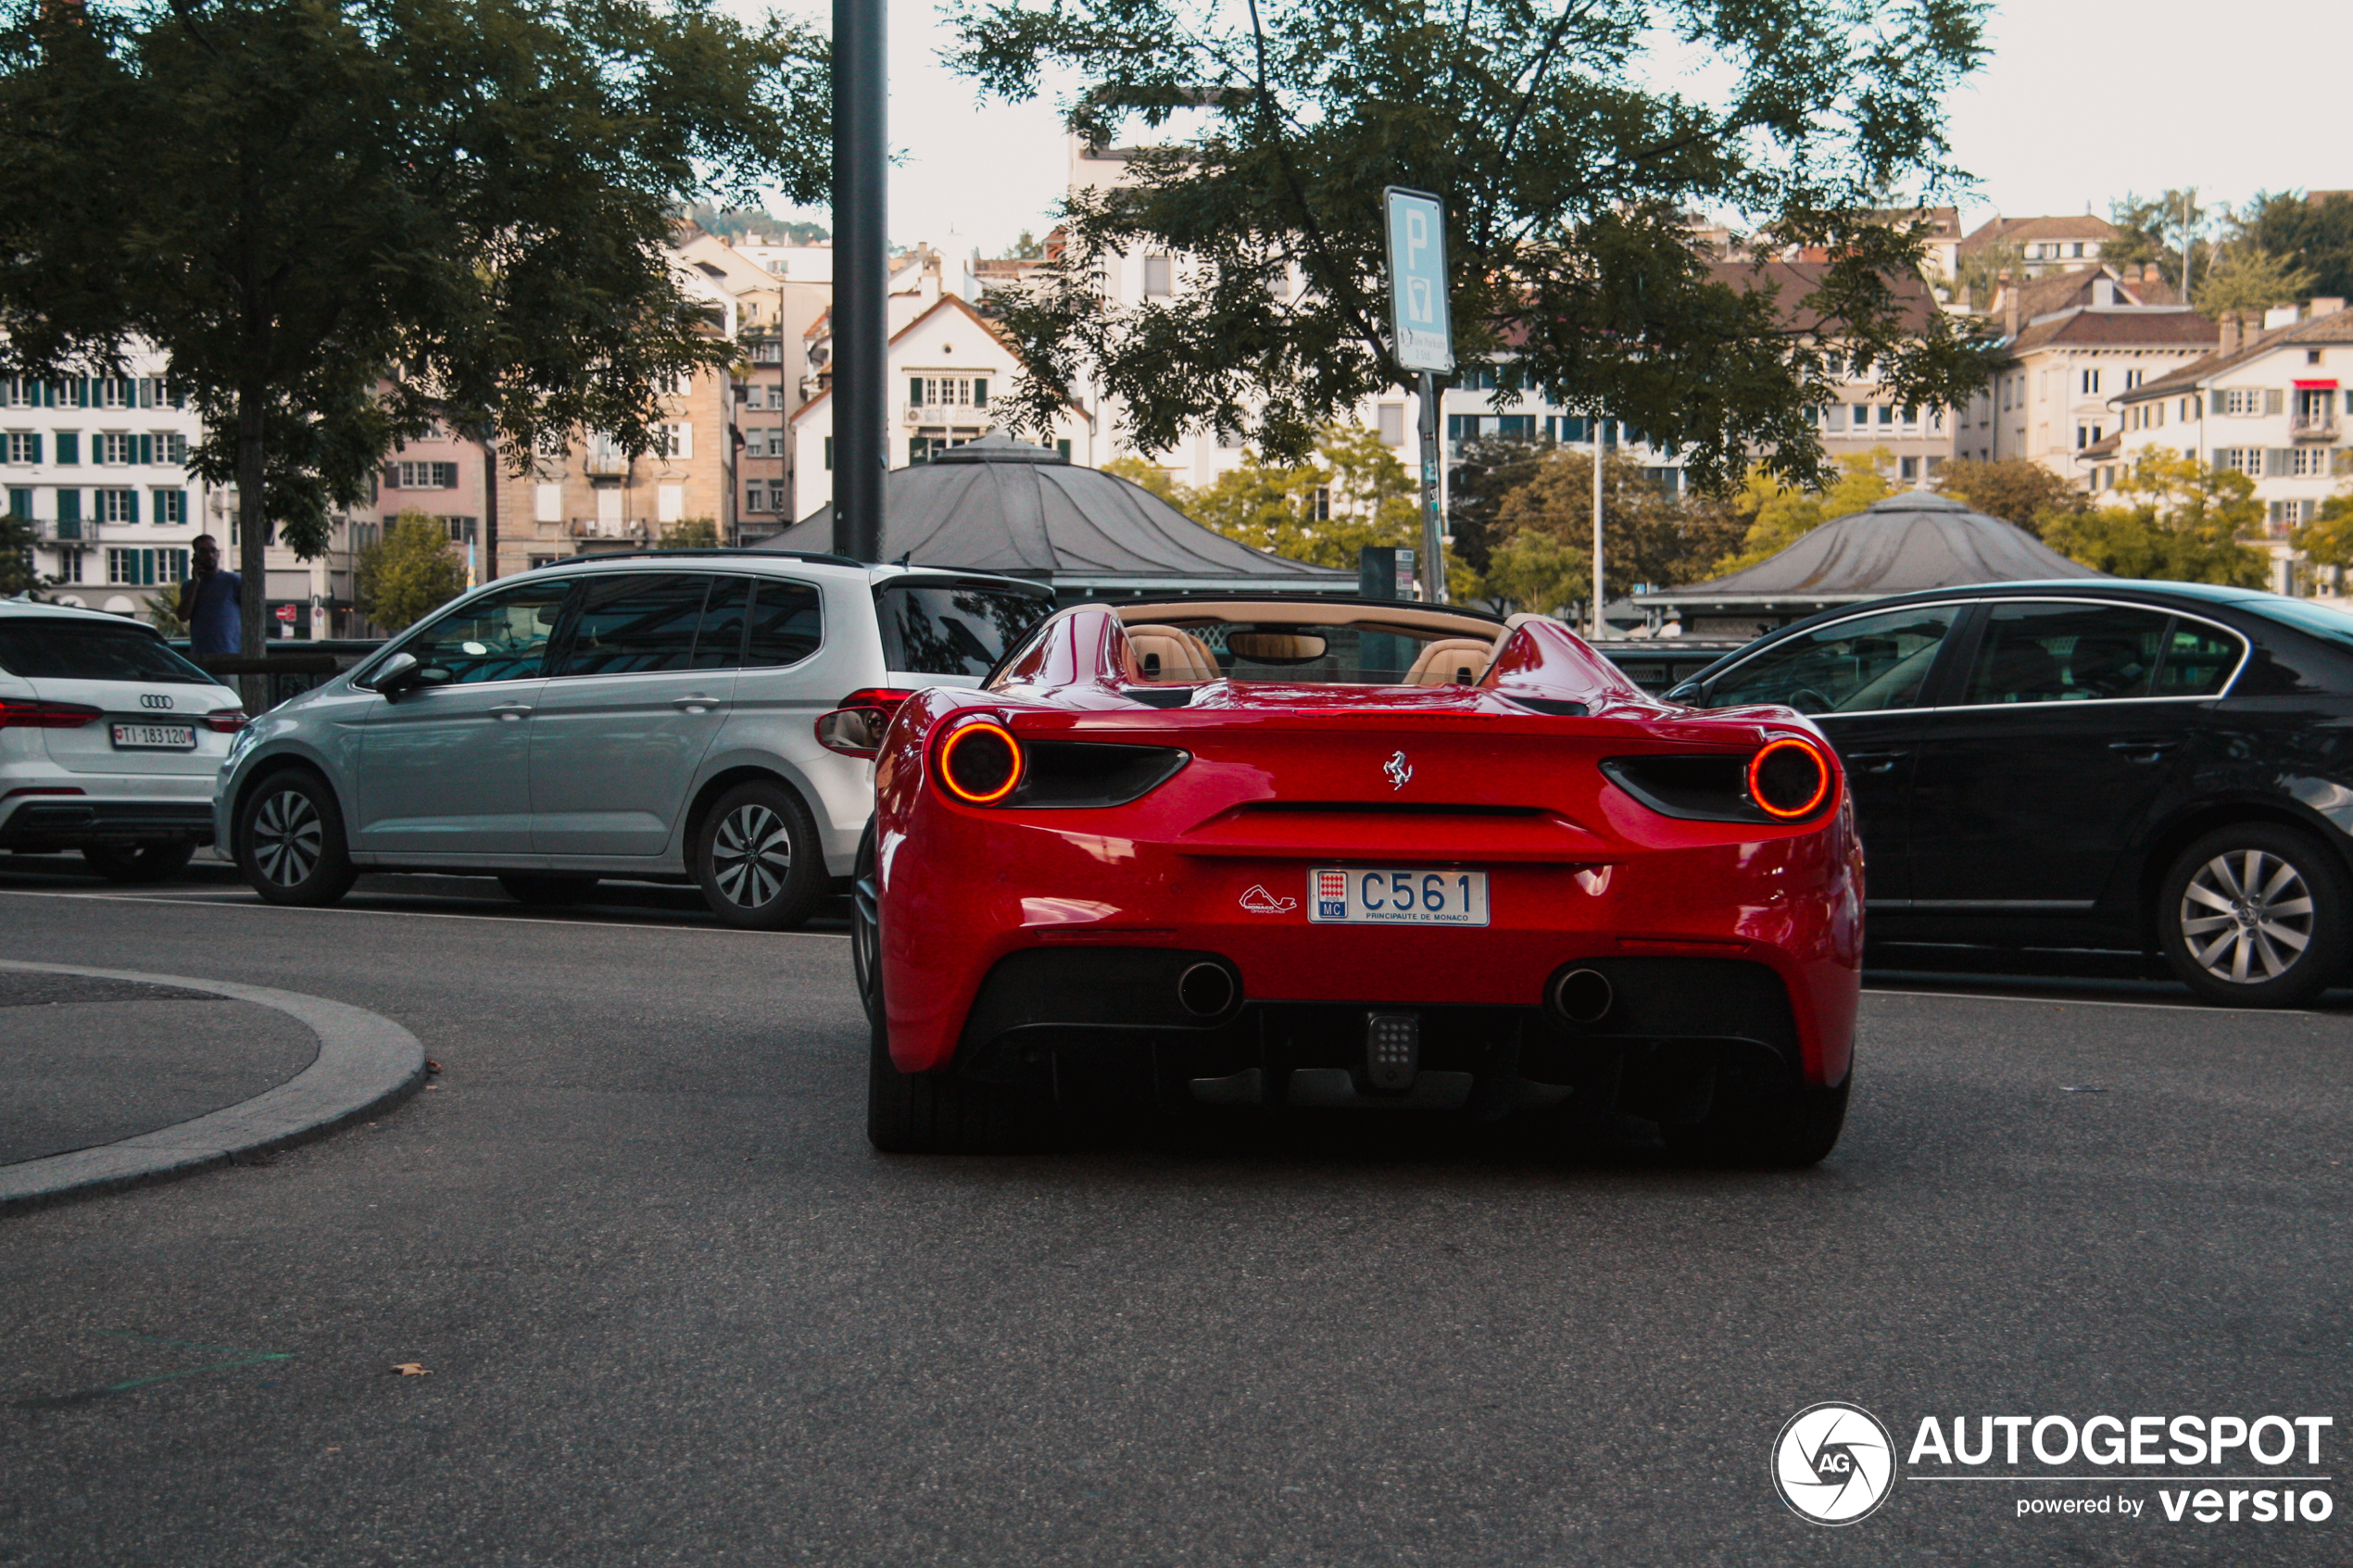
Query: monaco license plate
x,y
154,737
1361,897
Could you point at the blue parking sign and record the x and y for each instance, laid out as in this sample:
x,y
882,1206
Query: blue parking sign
x,y
1418,306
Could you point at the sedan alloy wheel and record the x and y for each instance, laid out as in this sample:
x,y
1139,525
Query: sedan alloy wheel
x,y
2247,915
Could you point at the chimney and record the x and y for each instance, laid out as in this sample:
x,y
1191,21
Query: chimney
x,y
2327,307
2010,292
2230,323
2103,294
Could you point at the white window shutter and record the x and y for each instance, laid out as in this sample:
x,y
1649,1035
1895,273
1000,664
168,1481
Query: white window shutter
x,y
550,507
670,502
686,440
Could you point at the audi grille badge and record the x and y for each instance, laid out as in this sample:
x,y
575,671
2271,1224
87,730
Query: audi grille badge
x,y
152,699
1397,769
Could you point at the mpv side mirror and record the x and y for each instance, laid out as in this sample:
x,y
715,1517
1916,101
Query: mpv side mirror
x,y
401,673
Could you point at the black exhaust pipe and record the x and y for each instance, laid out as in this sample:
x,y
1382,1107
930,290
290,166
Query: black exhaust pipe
x,y
1206,990
1584,995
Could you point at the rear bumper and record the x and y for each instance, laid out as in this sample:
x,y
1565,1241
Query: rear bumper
x,y
976,894
38,822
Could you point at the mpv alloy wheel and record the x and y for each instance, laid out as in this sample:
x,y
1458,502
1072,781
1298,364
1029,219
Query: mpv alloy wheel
x,y
2254,915
290,842
287,837
756,857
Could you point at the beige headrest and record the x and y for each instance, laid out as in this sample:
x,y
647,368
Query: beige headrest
x,y
1450,661
1165,654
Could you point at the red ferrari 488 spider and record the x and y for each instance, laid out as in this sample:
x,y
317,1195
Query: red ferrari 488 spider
x,y
1355,856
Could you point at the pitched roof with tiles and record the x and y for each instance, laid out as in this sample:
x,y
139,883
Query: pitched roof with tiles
x,y
1795,279
2152,327
2336,326
2082,226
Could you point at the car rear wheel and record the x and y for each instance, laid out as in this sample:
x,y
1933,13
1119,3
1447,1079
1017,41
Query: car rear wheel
x,y
2254,915
529,887
756,856
138,862
1791,1130
290,842
925,1112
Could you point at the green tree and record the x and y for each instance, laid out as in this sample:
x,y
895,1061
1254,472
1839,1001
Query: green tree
x,y
1983,270
2314,232
409,573
693,533
2328,538
163,614
2153,229
1147,476
2182,522
1351,492
1485,470
1546,558
306,201
1779,514
2244,278
1569,167
1027,248
2016,490
17,574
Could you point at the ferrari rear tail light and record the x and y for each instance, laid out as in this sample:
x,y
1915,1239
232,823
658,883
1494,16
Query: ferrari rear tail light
x,y
1789,779
227,721
19,713
855,727
980,763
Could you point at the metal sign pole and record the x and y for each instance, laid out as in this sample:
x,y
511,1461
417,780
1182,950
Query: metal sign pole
x,y
1600,456
1422,331
861,337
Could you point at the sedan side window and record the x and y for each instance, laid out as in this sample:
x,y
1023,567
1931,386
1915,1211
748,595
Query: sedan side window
x,y
631,623
501,636
2067,653
2198,659
1869,664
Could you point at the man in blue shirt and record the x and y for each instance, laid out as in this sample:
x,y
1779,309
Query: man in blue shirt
x,y
212,602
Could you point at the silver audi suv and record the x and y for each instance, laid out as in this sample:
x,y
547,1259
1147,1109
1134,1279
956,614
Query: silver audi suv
x,y
703,716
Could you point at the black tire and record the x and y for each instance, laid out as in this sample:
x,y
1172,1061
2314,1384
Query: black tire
x,y
548,889
2275,944
1790,1130
925,1112
289,841
138,862
757,858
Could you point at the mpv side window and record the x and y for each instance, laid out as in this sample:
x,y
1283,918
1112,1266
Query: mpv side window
x,y
1866,665
787,623
719,644
501,636
951,628
631,623
2068,653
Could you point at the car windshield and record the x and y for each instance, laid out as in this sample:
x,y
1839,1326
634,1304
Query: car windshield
x,y
1355,653
951,628
55,648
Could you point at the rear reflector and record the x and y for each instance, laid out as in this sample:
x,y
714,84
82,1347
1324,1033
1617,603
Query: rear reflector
x,y
42,789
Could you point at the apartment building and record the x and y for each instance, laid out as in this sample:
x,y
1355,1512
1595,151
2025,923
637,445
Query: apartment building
x,y
2073,342
2274,406
2044,245
98,466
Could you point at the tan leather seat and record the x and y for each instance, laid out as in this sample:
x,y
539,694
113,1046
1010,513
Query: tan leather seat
x,y
1170,656
1451,661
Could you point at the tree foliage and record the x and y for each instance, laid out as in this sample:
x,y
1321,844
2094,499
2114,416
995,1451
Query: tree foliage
x,y
1779,514
2153,229
1485,470
1569,177
691,534
16,573
2313,233
1546,556
409,573
302,202
2016,490
2327,540
2244,278
2180,523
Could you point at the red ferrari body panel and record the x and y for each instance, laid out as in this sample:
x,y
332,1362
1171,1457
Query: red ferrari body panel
x,y
1281,780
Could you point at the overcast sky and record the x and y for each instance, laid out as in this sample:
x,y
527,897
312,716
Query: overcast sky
x,y
2079,103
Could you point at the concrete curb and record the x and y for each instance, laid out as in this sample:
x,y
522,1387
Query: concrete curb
x,y
365,1062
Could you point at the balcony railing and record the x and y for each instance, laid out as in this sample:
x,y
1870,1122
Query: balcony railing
x,y
603,528
68,530
2313,427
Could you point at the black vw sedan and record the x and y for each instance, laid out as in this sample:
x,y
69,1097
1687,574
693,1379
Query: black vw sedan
x,y
2164,766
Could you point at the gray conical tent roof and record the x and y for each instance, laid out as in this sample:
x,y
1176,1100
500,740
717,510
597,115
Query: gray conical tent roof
x,y
1000,505
1914,540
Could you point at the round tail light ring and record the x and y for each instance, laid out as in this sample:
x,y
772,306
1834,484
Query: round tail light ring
x,y
980,762
1789,778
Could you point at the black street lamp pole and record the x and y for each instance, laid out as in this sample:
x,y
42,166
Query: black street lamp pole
x,y
860,334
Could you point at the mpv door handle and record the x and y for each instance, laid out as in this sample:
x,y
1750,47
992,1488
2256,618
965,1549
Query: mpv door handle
x,y
1875,761
697,703
511,711
2142,750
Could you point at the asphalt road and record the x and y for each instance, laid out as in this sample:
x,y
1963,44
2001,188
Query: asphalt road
x,y
674,1310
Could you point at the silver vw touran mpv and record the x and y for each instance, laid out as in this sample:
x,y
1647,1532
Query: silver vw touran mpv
x,y
651,716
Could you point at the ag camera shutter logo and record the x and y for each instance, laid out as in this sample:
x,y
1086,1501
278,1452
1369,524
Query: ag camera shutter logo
x,y
1833,1464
